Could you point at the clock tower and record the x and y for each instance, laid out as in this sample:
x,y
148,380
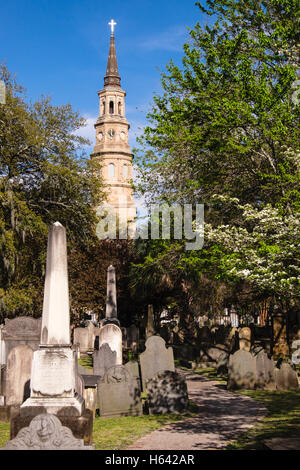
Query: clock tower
x,y
112,148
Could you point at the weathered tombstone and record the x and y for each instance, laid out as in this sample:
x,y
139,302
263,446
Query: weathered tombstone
x,y
241,371
18,370
103,359
222,364
132,338
45,432
133,368
265,372
212,354
279,334
111,313
85,337
90,396
286,377
54,367
20,330
119,393
156,358
81,337
112,335
245,338
167,393
150,329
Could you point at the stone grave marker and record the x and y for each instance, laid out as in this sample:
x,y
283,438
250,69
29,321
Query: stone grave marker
x,y
265,372
45,432
286,377
245,338
112,335
156,358
20,330
103,359
18,370
167,393
241,371
119,393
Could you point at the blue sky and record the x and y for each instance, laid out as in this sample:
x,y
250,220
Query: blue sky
x,y
60,48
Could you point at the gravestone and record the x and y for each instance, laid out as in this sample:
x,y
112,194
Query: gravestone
x,y
286,377
85,337
112,335
222,364
279,334
54,373
245,338
150,329
265,372
90,396
133,368
111,313
167,393
45,432
119,393
241,371
18,370
212,354
132,338
103,359
156,358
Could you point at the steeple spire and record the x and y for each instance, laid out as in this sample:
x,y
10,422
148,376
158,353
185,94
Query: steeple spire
x,y
112,76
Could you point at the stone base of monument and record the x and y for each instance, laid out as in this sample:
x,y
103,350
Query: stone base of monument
x,y
81,426
61,406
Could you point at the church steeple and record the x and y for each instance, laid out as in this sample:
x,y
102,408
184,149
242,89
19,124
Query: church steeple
x,y
112,148
112,76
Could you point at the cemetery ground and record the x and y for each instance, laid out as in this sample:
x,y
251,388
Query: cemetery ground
x,y
282,418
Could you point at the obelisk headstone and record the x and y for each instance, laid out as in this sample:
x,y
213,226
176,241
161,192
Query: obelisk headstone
x,y
150,330
111,313
56,317
54,373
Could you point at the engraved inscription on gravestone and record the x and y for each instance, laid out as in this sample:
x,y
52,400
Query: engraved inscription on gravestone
x,y
54,373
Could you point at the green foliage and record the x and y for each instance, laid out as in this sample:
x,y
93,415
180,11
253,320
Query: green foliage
x,y
44,177
225,132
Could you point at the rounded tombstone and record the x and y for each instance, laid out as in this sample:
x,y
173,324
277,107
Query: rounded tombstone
x,y
167,393
112,335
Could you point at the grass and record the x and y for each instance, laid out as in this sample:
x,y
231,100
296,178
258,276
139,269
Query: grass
x,y
282,419
86,361
117,433
4,433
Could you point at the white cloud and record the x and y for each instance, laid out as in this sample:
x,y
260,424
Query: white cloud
x,y
88,131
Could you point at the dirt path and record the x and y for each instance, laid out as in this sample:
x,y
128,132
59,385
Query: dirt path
x,y
223,416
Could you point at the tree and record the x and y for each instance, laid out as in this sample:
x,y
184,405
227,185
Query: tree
x,y
44,177
225,132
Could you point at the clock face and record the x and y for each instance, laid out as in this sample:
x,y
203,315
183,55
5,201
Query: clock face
x,y
111,133
123,135
100,136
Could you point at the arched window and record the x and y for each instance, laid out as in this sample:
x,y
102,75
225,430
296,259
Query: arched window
x,y
103,107
111,170
120,107
111,107
125,171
